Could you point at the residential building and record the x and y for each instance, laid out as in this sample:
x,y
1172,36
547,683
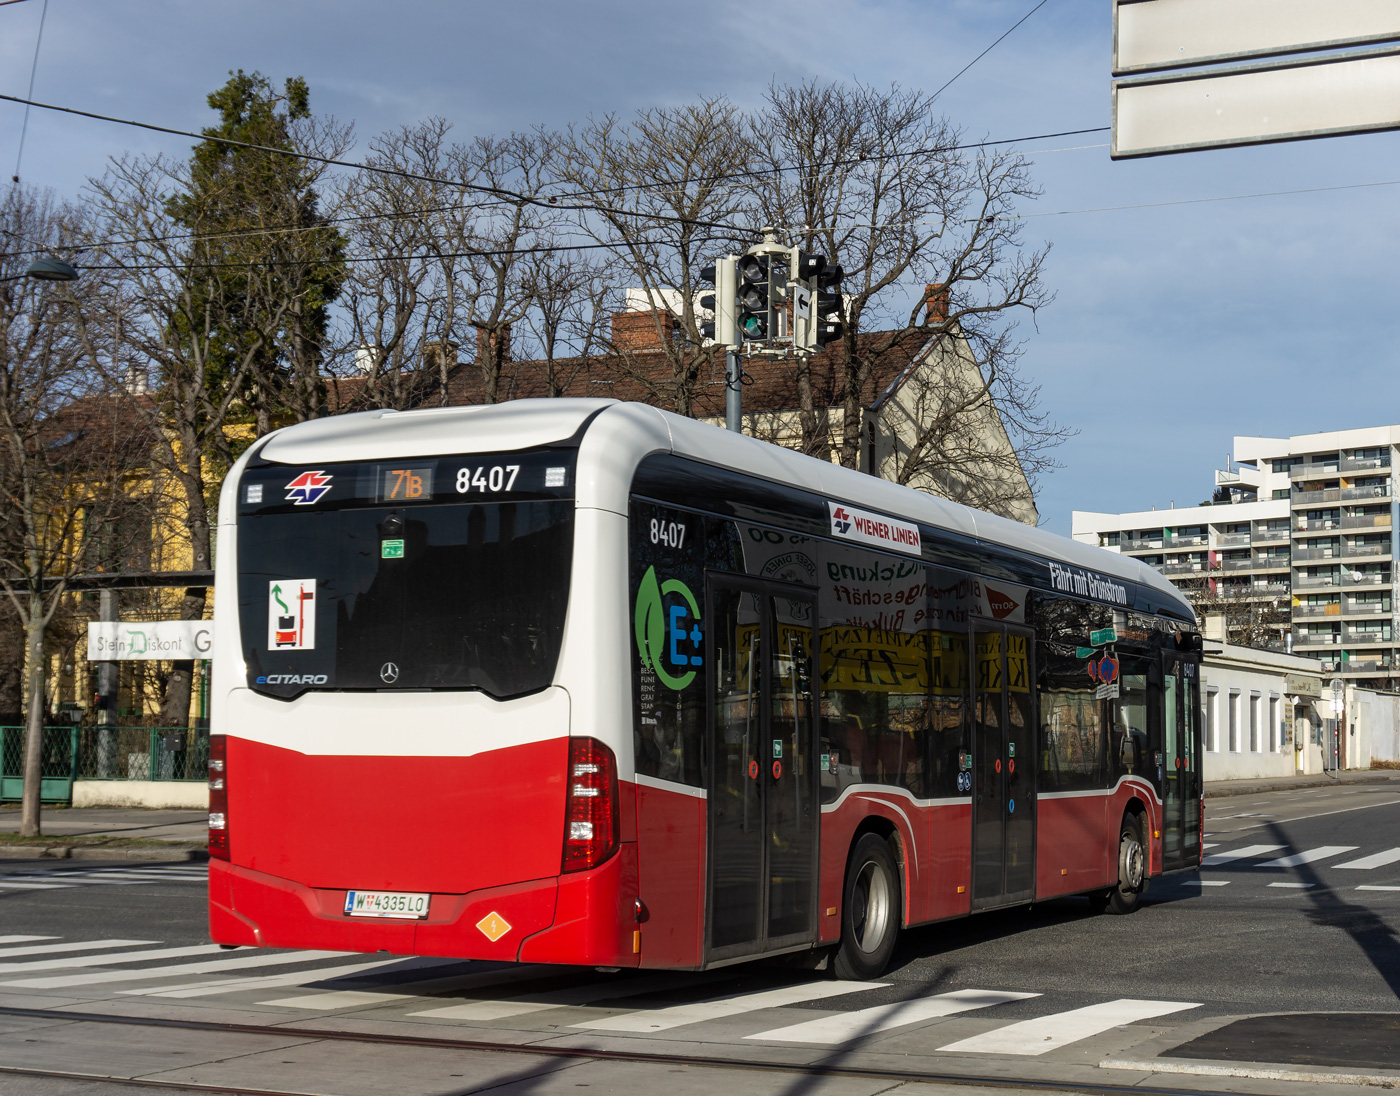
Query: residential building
x,y
1296,546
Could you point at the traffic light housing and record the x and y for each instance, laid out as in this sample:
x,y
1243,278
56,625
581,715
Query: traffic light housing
x,y
723,329
756,320
829,322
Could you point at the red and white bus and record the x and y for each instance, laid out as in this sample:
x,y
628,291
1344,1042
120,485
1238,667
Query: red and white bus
x,y
579,681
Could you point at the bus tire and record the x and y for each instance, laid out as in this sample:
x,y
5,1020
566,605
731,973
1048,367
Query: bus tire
x,y
869,911
1126,896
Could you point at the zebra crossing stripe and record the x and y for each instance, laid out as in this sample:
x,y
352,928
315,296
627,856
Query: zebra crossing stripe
x,y
420,986
101,977
212,986
1322,852
349,998
80,945
110,958
1375,860
1047,1033
848,1027
1238,854
717,1008
588,994
24,939
35,886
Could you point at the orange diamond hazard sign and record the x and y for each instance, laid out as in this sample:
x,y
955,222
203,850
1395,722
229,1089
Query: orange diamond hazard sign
x,y
493,926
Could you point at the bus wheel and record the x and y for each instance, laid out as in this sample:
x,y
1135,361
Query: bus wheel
x,y
870,911
1132,868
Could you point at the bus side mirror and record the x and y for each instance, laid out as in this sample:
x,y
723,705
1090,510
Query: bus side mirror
x,y
1128,753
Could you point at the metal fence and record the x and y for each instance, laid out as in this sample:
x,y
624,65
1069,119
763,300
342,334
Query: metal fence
x,y
103,753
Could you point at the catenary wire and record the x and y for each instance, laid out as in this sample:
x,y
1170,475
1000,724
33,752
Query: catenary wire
x,y
33,69
988,50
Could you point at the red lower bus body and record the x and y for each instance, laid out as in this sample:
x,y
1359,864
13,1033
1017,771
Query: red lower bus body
x,y
483,835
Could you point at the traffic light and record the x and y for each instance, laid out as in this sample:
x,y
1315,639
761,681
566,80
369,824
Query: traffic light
x,y
755,317
827,307
723,329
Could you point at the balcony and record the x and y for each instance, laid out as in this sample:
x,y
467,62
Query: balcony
x,y
1355,635
1183,568
1316,582
1361,666
1363,464
1269,563
1349,551
1324,639
1238,564
1313,471
1269,536
1361,578
1267,589
1141,544
1373,491
1194,540
1312,498
1330,552
1354,608
1234,540
1317,527
1365,521
1312,612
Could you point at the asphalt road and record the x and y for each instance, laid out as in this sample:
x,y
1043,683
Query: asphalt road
x,y
1247,936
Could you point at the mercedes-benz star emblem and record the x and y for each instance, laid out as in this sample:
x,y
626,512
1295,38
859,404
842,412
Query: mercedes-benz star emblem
x,y
389,672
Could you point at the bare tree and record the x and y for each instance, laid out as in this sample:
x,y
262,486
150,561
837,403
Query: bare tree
x,y
881,186
667,193
65,451
567,317
1253,618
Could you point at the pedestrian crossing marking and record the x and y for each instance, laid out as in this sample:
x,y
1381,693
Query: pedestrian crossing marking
x,y
1238,854
1205,882
24,939
101,977
1375,860
588,994
663,1019
35,886
848,1027
1292,886
1379,888
1322,852
339,999
421,986
80,945
1047,1033
211,986
107,960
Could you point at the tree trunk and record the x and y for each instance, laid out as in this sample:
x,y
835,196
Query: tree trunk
x,y
34,729
175,709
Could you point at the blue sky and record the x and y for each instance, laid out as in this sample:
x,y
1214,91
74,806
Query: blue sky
x,y
1175,328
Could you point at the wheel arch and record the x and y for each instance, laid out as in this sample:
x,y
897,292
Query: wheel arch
x,y
886,828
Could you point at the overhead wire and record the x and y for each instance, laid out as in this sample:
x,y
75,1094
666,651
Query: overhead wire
x,y
33,68
988,50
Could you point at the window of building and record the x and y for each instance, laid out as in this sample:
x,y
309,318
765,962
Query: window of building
x,y
1285,464
1275,728
1234,719
1110,540
1280,492
1255,746
1212,700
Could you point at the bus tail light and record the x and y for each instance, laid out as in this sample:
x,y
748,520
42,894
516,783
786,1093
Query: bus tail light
x,y
591,814
218,797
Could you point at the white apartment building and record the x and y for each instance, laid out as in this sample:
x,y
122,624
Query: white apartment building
x,y
1305,523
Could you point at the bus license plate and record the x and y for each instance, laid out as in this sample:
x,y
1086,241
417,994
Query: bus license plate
x,y
386,904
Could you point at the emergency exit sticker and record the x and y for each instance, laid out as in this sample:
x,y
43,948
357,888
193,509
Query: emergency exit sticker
x,y
291,614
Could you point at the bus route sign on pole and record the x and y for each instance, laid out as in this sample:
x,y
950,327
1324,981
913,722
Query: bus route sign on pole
x,y
1186,88
1102,636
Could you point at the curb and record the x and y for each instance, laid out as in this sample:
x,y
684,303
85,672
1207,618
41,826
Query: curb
x,y
1198,1067
98,852
1228,788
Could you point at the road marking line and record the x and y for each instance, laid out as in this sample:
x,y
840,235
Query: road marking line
x,y
587,994
348,998
110,959
36,886
848,1027
1205,882
1375,860
1211,845
1292,886
135,876
1239,854
22,939
81,945
263,959
212,986
1047,1033
1322,852
719,1007
1379,888
421,987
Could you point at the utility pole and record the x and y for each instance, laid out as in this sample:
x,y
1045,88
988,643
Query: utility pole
x,y
107,683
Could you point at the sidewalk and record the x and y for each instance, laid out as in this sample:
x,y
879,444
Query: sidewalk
x,y
1217,788
107,833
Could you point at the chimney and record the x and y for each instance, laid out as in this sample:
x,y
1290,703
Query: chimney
x,y
433,354
634,332
487,339
935,304
1213,627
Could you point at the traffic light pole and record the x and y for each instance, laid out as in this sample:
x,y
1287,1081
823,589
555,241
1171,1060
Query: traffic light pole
x,y
733,392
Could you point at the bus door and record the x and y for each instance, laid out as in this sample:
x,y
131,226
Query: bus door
x,y
1003,766
1181,773
764,813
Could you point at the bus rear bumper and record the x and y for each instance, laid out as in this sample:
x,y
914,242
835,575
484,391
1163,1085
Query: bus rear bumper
x,y
585,918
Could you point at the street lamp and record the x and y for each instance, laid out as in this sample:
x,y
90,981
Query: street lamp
x,y
46,270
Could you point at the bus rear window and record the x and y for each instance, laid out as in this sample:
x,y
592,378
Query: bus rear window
x,y
455,595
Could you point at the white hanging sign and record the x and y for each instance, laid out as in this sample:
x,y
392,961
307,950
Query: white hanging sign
x,y
122,640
